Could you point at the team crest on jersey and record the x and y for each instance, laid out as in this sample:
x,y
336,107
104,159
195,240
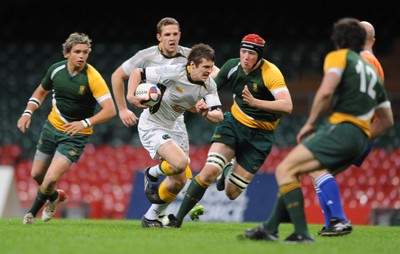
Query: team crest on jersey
x,y
255,87
81,90
73,151
179,89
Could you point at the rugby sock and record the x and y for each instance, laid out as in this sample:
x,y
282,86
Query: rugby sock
x,y
322,202
165,194
278,215
188,182
193,195
331,195
165,169
155,172
39,201
155,210
188,171
160,169
53,196
293,198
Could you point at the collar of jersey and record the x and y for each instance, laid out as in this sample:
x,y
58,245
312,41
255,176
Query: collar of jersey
x,y
178,54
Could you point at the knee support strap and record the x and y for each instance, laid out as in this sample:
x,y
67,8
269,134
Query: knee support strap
x,y
238,181
217,160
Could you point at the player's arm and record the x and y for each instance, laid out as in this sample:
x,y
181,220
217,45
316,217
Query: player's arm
x,y
281,105
118,78
383,120
321,104
118,86
136,76
323,98
214,72
33,104
213,115
106,113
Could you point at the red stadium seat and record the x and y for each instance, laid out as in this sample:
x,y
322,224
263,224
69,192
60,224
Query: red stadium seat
x,y
103,179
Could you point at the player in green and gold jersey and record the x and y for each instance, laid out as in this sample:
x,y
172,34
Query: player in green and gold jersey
x,y
77,89
351,93
261,97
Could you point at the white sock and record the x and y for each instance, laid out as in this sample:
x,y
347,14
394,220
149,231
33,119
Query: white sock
x,y
156,171
155,211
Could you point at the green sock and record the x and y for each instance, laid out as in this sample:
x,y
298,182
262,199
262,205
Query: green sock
x,y
39,201
53,196
278,215
193,195
294,202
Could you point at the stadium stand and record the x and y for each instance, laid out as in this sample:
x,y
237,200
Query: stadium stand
x,y
101,183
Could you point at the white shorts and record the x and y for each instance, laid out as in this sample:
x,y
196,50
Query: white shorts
x,y
152,135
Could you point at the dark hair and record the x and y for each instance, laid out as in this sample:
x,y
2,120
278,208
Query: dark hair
x,y
200,51
348,33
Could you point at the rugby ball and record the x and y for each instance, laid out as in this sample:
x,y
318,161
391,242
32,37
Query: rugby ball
x,y
151,93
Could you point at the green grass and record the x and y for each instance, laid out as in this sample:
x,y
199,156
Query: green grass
x,y
73,236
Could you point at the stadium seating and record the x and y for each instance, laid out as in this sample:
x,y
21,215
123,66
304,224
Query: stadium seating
x,y
103,180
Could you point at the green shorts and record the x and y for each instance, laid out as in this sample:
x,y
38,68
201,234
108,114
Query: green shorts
x,y
337,145
52,140
252,146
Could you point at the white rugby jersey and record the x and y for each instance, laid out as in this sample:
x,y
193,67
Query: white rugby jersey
x,y
180,93
152,56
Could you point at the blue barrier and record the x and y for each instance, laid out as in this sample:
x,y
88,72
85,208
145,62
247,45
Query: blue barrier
x,y
254,205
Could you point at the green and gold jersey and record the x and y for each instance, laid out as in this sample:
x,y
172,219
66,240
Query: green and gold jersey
x,y
263,83
74,97
359,92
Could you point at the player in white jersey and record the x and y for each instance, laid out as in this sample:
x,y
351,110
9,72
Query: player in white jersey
x,y
185,87
167,52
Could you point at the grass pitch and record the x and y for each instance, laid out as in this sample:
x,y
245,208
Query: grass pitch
x,y
75,236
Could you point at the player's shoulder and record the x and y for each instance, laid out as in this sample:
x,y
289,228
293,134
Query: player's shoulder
x,y
171,69
91,69
58,64
184,50
341,56
268,65
232,62
210,83
176,68
56,67
149,50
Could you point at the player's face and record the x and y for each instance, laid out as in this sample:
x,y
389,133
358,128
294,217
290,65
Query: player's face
x,y
202,71
169,39
78,56
248,59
